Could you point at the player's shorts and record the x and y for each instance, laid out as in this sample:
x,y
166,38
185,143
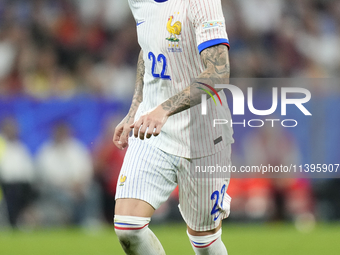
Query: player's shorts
x,y
150,174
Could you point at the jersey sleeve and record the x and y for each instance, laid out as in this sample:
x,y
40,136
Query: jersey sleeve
x,y
208,21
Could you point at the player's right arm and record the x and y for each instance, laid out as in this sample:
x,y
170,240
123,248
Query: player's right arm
x,y
121,134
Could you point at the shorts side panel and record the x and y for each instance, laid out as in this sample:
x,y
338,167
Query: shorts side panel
x,y
196,197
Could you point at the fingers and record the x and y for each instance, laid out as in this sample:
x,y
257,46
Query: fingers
x,y
143,129
117,134
123,141
147,130
157,131
150,131
120,137
116,137
136,126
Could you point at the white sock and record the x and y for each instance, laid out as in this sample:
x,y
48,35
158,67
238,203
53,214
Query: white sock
x,y
136,237
208,245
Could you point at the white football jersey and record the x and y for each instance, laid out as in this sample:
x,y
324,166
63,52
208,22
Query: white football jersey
x,y
172,33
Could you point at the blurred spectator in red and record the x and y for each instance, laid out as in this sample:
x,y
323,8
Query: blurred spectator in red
x,y
16,171
66,170
108,160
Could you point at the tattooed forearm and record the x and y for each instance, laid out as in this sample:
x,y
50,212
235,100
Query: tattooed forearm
x,y
177,103
140,74
216,62
138,94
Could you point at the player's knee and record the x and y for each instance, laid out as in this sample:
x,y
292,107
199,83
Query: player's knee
x,y
208,244
192,232
127,239
129,230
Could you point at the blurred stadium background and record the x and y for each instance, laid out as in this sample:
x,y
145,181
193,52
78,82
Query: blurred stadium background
x,y
67,71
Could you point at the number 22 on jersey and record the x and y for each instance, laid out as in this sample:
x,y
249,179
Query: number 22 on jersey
x,y
160,59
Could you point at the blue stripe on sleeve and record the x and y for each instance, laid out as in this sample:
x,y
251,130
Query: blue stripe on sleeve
x,y
210,43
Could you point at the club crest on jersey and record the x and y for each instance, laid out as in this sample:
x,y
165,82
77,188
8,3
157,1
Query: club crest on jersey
x,y
174,30
122,180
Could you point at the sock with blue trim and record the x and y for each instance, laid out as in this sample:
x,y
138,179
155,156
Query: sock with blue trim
x,y
208,245
135,236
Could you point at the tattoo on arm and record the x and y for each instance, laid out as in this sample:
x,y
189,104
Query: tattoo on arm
x,y
216,62
138,94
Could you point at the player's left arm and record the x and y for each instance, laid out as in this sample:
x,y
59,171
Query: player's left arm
x,y
217,69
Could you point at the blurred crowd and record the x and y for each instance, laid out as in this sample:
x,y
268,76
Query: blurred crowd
x,y
61,49
65,183
284,38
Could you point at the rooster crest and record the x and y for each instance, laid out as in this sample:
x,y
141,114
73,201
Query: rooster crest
x,y
122,179
174,29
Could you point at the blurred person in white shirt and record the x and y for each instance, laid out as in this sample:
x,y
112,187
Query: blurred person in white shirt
x,y
261,16
16,171
66,170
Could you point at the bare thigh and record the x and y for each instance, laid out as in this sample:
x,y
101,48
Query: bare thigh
x,y
133,207
203,233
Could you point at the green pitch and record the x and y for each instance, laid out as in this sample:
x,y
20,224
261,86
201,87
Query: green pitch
x,y
241,239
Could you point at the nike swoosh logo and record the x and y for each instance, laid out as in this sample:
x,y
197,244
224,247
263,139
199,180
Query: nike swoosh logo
x,y
138,23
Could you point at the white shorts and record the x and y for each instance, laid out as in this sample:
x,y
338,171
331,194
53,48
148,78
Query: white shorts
x,y
150,174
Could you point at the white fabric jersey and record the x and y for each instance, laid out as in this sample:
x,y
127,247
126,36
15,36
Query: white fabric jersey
x,y
172,33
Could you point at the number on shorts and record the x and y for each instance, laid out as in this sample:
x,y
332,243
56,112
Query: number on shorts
x,y
216,196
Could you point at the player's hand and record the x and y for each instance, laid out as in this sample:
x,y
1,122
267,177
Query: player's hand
x,y
122,131
150,123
